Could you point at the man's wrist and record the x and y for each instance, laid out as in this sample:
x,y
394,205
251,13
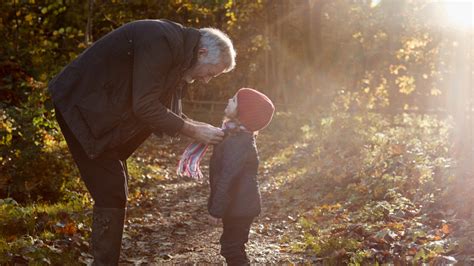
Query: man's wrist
x,y
188,129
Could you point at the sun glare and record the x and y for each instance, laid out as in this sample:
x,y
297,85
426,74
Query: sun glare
x,y
458,13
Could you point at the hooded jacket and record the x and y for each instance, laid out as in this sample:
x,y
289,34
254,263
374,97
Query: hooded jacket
x,y
124,85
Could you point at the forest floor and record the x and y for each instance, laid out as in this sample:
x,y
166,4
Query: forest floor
x,y
310,205
346,190
168,220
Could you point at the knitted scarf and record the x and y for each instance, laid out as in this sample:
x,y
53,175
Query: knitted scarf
x,y
189,163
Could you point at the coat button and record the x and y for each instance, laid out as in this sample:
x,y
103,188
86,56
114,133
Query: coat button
x,y
130,41
128,53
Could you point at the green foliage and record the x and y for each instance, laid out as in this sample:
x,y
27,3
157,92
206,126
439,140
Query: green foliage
x,y
40,37
45,234
35,166
371,188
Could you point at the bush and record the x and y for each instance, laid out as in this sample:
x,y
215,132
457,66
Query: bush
x,y
371,188
34,163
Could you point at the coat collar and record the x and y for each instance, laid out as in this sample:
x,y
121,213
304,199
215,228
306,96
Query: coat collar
x,y
191,47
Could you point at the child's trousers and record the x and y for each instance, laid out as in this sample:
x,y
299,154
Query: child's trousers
x,y
233,239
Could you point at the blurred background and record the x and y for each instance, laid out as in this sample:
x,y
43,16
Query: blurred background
x,y
346,76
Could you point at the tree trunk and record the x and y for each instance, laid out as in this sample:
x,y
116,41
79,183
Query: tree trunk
x,y
283,12
88,36
459,97
314,48
267,53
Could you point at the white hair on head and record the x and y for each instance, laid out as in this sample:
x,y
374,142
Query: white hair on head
x,y
219,47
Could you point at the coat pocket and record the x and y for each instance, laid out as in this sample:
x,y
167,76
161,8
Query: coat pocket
x,y
98,113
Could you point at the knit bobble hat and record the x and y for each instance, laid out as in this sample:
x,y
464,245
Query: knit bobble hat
x,y
254,109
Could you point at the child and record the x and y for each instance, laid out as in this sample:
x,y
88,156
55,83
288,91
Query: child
x,y
233,171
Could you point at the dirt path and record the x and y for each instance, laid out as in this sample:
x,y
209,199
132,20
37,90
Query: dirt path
x,y
167,223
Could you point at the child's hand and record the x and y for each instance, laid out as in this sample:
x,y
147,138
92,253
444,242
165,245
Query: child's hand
x,y
214,221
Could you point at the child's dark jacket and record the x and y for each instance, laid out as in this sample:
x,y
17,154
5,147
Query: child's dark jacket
x,y
233,177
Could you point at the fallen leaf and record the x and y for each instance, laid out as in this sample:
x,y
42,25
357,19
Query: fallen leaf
x,y
445,228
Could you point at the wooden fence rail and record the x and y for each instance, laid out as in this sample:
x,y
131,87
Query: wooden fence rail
x,y
217,108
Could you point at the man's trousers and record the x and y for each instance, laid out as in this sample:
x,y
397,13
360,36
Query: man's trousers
x,y
105,178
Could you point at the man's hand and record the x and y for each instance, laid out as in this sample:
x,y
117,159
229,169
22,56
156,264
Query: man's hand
x,y
214,221
203,132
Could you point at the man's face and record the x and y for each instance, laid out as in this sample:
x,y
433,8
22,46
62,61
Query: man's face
x,y
202,71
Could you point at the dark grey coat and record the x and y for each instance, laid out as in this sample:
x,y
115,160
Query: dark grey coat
x,y
233,177
122,85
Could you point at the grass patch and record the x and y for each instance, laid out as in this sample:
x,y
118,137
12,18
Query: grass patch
x,y
40,234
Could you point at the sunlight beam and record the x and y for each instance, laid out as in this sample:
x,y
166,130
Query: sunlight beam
x,y
458,13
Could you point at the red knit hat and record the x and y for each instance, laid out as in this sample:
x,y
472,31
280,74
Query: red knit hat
x,y
254,109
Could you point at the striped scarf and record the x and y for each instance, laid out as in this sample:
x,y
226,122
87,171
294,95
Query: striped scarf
x,y
189,163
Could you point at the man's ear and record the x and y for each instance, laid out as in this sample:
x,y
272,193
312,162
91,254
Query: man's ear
x,y
202,52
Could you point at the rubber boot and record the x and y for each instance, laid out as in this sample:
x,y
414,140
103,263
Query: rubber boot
x,y
107,229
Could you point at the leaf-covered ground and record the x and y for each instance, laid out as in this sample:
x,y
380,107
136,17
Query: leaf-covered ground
x,y
167,221
341,189
335,189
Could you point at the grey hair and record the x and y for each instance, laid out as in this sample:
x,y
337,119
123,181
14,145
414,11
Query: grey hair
x,y
219,47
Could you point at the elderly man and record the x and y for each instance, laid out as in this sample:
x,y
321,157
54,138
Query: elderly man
x,y
124,87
